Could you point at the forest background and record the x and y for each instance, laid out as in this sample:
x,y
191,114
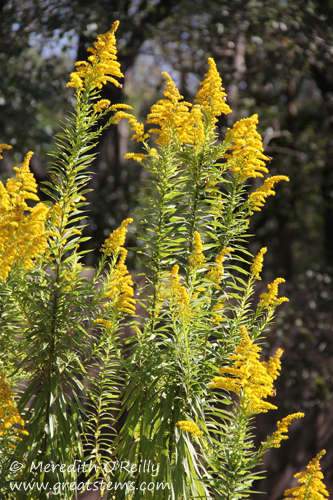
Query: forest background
x,y
275,59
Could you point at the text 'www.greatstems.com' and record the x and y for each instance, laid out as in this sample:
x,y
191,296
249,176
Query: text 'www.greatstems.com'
x,y
57,488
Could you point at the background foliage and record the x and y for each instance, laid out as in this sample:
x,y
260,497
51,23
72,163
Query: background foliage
x,y
275,59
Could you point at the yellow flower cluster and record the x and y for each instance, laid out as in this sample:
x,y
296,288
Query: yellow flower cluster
x,y
270,300
257,198
24,185
102,65
216,272
246,158
116,239
180,299
119,288
55,214
216,310
172,115
69,281
135,156
102,105
250,377
106,323
211,95
137,127
274,441
9,415
178,120
196,132
311,485
258,261
2,147
197,259
158,306
22,234
191,427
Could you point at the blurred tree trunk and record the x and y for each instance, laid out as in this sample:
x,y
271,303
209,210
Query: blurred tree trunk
x,y
326,88
240,68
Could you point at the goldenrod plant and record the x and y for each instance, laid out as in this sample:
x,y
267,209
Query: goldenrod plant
x,y
311,485
168,411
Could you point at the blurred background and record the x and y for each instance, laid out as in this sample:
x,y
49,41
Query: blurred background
x,y
275,58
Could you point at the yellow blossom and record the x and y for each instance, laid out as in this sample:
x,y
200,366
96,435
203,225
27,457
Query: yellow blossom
x,y
216,272
274,441
9,415
197,259
139,157
250,378
256,267
172,115
270,299
55,214
24,185
2,147
102,65
102,105
211,95
180,300
119,289
23,237
197,118
137,127
136,156
311,485
119,286
116,239
216,310
106,323
257,198
191,427
246,158
119,105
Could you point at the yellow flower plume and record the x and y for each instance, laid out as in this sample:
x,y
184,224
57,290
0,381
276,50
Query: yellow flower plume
x,y
270,300
246,158
274,441
172,115
136,127
311,485
211,95
196,131
116,239
191,427
180,300
258,261
9,415
216,272
102,66
217,310
2,147
250,378
102,105
23,237
197,259
257,198
119,287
